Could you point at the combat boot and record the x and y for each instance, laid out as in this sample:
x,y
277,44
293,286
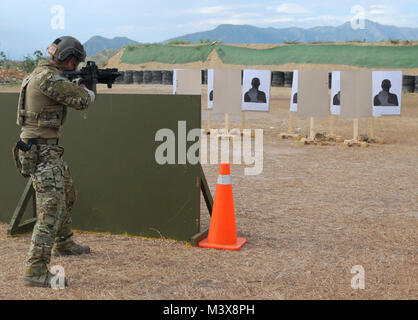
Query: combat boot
x,y
42,281
70,249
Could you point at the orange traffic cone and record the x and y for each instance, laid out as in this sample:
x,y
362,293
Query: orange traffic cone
x,y
222,230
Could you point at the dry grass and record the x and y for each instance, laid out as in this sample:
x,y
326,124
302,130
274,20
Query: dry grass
x,y
313,214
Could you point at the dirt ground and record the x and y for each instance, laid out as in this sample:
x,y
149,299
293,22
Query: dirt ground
x,y
309,217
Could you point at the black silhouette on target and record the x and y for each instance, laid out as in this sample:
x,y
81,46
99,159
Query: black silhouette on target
x,y
337,99
254,94
385,98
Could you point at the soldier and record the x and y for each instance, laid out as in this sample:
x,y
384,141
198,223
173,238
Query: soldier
x,y
44,98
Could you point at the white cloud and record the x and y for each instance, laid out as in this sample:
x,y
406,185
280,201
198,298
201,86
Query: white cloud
x,y
392,21
217,10
210,10
278,20
245,15
389,15
379,9
215,22
125,28
292,8
326,19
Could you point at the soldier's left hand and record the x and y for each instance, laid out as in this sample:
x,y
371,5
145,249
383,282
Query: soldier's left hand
x,y
79,82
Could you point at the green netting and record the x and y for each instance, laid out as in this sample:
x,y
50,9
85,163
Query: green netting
x,y
165,54
360,56
353,55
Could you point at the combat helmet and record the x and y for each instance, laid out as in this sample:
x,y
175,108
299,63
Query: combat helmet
x,y
65,46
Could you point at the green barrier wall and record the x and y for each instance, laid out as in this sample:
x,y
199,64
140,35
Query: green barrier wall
x,y
353,55
165,54
110,149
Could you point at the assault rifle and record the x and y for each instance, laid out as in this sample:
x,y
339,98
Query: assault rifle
x,y
91,75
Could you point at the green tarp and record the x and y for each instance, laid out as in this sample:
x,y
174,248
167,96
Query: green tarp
x,y
353,55
165,54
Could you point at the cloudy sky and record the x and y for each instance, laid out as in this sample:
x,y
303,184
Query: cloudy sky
x,y
27,25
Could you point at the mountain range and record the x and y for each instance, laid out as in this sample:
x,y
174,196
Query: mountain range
x,y
373,32
227,33
97,43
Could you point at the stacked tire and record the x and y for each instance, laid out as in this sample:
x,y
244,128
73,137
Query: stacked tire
x,y
147,77
277,79
204,76
408,83
416,84
288,79
120,78
128,77
138,77
167,77
157,77
329,80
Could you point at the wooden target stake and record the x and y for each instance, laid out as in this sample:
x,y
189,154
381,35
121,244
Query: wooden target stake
x,y
291,122
226,123
208,122
331,125
372,128
355,130
312,129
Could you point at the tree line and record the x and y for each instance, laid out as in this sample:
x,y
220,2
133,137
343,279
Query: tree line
x,y
28,64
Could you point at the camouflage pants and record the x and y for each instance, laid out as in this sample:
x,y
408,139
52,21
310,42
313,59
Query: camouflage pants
x,y
55,199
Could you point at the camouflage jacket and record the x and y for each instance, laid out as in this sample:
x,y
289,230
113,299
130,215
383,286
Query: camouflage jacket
x,y
44,98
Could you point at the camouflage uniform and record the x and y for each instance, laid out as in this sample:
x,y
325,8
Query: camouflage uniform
x,y
44,99
55,199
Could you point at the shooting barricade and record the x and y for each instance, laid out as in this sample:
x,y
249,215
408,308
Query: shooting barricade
x,y
111,150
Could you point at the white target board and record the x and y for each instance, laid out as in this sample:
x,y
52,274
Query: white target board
x,y
387,93
256,90
187,81
175,80
356,94
210,88
313,93
336,93
227,91
294,97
